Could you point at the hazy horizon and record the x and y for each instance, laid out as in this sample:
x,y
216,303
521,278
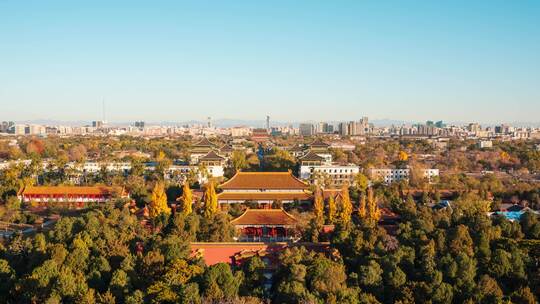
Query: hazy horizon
x,y
226,123
308,60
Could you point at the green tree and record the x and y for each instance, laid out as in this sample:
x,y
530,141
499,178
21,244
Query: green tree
x,y
120,284
239,160
523,296
361,181
326,278
7,277
252,284
219,283
216,228
460,240
488,290
370,275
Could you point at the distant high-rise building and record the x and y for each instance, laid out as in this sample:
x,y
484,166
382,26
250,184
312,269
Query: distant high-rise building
x,y
139,124
440,124
306,129
98,124
7,127
427,129
503,129
329,128
364,121
20,130
474,127
268,123
321,127
354,128
35,130
342,128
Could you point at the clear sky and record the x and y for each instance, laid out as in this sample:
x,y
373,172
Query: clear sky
x,y
293,60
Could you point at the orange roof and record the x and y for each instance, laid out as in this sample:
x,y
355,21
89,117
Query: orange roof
x,y
262,217
263,196
213,253
264,180
70,190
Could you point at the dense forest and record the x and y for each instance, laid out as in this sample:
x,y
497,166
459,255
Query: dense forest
x,y
440,256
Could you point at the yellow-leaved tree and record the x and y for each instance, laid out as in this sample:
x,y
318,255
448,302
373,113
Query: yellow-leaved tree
x,y
362,206
318,206
158,204
346,209
210,200
186,199
403,156
331,210
373,212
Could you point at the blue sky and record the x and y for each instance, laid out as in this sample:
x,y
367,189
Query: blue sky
x,y
293,60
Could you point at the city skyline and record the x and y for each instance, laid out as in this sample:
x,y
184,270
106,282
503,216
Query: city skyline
x,y
261,123
295,62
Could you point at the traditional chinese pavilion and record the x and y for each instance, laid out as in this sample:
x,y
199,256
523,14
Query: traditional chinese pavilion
x,y
265,225
69,194
311,159
263,188
318,146
201,149
226,150
212,159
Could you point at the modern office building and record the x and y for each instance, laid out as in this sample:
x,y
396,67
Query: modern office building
x,y
306,129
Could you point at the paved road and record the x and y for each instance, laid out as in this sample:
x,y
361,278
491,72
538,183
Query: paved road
x,y
9,233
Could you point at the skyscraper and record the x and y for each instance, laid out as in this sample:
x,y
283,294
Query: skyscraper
x,y
306,129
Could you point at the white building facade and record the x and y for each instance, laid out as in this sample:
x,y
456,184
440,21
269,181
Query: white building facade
x,y
389,176
335,174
